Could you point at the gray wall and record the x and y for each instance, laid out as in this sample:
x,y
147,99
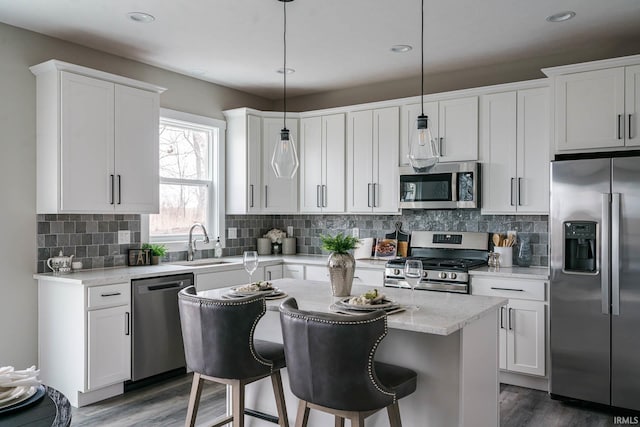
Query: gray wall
x,y
20,49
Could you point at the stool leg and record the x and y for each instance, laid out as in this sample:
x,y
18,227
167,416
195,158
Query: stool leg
x,y
276,380
303,414
237,403
357,420
393,411
194,400
339,421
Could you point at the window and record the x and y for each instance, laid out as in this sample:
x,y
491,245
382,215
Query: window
x,y
191,179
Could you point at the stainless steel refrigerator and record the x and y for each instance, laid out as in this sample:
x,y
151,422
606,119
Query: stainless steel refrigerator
x,y
595,280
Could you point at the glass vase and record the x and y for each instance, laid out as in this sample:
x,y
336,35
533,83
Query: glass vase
x,y
524,252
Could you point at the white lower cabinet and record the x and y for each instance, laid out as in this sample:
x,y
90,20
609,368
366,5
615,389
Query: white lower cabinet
x,y
273,272
109,346
293,271
84,339
522,322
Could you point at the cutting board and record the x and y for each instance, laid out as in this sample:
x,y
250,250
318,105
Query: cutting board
x,y
402,238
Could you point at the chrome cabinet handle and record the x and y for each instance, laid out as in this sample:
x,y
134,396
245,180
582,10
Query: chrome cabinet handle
x,y
369,195
440,145
266,196
324,196
507,289
502,318
619,133
111,294
119,189
615,254
509,319
512,179
375,195
317,196
519,191
127,328
111,200
268,275
251,195
629,127
605,253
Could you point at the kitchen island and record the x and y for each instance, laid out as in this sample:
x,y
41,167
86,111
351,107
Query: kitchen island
x,y
451,342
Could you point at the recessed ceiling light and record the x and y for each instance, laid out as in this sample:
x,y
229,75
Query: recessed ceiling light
x,y
561,16
401,48
286,70
141,17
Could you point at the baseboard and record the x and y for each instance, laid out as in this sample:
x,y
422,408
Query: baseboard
x,y
528,381
90,397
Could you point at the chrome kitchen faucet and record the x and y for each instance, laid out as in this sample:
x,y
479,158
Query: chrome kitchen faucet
x,y
192,243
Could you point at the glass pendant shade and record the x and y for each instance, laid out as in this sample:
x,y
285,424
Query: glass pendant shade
x,y
284,161
423,150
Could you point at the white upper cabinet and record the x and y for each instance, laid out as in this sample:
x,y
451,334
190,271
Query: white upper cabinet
x,y
453,124
515,142
322,164
252,186
597,105
372,153
97,141
280,195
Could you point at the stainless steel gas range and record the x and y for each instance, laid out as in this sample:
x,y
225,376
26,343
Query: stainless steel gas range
x,y
446,259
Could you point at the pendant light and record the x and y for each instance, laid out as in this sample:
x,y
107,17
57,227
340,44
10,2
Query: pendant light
x,y
284,161
423,151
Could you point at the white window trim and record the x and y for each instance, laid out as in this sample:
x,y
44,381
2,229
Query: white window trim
x,y
217,196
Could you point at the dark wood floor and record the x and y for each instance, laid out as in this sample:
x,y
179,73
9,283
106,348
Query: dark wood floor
x,y
165,405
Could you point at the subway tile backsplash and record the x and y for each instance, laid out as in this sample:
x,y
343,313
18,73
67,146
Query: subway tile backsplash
x,y
92,238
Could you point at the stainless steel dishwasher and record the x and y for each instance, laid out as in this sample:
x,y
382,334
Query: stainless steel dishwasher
x,y
156,332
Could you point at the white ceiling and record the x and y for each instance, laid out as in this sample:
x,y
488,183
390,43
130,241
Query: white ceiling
x,y
332,44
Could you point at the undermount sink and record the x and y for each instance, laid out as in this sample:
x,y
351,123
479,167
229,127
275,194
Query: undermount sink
x,y
202,261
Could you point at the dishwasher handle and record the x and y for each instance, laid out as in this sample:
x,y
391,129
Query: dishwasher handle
x,y
164,286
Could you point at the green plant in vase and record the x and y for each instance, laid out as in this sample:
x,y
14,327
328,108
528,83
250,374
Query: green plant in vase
x,y
156,250
341,263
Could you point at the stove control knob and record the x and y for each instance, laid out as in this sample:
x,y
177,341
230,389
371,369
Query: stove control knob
x,y
442,275
452,275
396,272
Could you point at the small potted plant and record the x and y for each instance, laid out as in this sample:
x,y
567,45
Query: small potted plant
x,y
157,251
341,263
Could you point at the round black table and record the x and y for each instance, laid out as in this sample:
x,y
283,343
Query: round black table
x,y
53,410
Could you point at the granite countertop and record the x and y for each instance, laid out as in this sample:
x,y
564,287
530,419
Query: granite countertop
x,y
439,314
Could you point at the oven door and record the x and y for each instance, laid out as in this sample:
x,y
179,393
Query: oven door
x,y
445,186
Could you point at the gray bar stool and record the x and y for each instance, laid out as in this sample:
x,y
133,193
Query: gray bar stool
x,y
331,367
219,346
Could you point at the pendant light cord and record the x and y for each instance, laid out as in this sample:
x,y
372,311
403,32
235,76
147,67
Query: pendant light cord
x,y
422,59
284,69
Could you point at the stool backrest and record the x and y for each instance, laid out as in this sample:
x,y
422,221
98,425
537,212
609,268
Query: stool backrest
x,y
330,357
218,335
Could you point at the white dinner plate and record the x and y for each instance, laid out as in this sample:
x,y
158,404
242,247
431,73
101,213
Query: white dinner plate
x,y
18,395
384,305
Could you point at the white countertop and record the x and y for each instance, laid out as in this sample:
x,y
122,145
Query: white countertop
x,y
541,273
439,314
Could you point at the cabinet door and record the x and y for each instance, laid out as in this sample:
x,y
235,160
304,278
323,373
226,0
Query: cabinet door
x,y
254,164
333,163
458,129
502,338
311,164
632,105
590,109
526,337
386,134
86,143
360,161
273,272
290,271
408,116
136,150
499,152
109,346
280,195
533,151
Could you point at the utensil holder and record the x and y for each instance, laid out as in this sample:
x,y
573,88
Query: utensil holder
x,y
264,246
506,255
289,246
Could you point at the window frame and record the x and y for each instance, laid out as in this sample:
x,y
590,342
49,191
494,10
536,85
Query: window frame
x,y
216,208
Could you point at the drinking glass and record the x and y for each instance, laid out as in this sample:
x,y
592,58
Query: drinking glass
x,y
250,261
412,273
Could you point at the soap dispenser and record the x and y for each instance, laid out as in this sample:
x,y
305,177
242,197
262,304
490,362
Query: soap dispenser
x,y
217,252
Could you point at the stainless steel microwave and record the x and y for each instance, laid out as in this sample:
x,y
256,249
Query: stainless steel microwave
x,y
444,186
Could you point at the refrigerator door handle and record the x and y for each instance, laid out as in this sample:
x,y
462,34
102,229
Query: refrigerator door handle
x,y
605,256
615,253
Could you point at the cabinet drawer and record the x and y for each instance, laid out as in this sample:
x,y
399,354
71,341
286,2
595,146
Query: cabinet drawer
x,y
108,295
508,288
